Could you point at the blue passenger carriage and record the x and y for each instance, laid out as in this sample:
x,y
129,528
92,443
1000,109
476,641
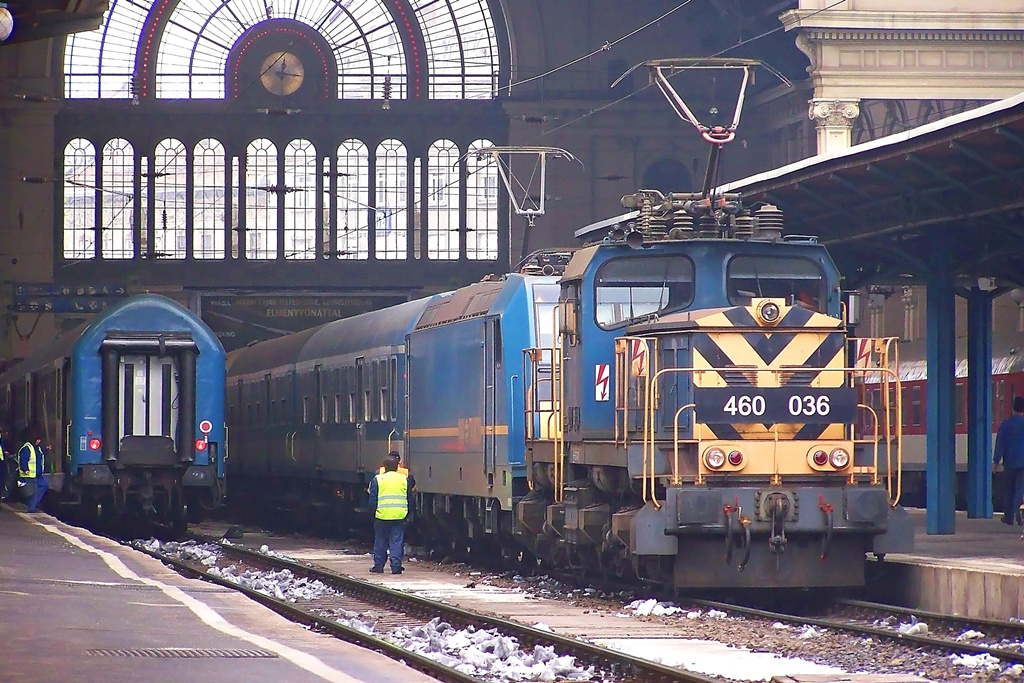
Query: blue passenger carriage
x,y
132,404
313,414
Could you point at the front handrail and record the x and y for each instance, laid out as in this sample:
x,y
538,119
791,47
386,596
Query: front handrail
x,y
650,386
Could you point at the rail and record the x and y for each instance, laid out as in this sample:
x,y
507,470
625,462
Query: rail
x,y
619,665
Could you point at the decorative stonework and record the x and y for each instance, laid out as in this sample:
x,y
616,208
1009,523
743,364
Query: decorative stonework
x,y
834,112
910,54
834,119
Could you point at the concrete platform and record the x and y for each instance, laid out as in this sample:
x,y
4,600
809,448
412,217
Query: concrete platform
x,y
78,607
977,572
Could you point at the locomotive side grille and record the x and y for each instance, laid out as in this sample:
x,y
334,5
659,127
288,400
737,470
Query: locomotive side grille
x,y
744,377
797,378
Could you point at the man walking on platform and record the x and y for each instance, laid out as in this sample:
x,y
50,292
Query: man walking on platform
x,y
389,500
1010,450
31,463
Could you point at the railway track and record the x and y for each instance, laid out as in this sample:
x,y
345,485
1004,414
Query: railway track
x,y
915,636
390,608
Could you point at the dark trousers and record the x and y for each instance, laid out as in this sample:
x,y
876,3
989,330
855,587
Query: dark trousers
x,y
388,535
1013,491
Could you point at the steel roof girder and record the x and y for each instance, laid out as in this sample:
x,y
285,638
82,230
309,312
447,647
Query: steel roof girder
x,y
895,182
941,175
1010,135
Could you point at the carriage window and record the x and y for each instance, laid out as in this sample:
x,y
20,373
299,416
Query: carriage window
x,y
797,280
323,410
352,388
394,389
337,410
631,287
385,391
916,406
903,400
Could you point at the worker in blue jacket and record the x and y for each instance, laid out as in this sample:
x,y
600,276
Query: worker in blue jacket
x,y
1010,450
31,463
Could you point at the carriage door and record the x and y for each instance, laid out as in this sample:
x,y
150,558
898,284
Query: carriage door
x,y
360,417
149,396
492,358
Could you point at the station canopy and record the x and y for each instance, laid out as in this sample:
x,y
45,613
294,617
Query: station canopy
x,y
884,207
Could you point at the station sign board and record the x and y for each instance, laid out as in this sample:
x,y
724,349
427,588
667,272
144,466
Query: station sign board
x,y
34,297
241,319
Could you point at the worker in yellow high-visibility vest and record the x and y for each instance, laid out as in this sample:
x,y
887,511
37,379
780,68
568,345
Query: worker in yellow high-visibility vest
x,y
389,500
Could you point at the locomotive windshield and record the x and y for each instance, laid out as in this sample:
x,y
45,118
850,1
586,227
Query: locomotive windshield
x,y
797,280
632,287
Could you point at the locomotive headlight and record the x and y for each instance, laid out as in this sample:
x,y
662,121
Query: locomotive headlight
x,y
840,458
820,458
769,312
714,458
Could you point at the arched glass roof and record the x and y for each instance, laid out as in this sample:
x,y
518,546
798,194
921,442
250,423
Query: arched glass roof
x,y
186,43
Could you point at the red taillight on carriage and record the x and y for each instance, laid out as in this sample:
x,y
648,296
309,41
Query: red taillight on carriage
x,y
95,444
820,458
735,458
200,444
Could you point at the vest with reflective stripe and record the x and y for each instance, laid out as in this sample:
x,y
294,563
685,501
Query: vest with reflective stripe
x,y
34,466
392,496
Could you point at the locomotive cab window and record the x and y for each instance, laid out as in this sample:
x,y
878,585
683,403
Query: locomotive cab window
x,y
629,288
797,280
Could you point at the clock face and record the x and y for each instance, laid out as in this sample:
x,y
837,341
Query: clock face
x,y
281,73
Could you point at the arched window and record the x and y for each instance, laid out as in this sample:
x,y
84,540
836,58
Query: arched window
x,y
186,46
117,200
300,200
79,199
353,200
169,199
481,204
462,51
261,191
392,201
208,205
101,63
443,200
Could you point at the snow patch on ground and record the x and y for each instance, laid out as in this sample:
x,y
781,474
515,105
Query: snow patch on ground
x,y
282,585
716,659
487,654
206,554
983,660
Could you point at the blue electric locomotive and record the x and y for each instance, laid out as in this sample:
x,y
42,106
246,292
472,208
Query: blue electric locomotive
x,y
132,405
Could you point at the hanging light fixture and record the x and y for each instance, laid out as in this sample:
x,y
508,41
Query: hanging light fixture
x,y
387,88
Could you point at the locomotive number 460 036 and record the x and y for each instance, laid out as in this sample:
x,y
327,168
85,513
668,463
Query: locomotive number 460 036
x,y
782,404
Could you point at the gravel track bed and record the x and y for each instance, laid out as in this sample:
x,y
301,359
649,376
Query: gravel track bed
x,y
852,653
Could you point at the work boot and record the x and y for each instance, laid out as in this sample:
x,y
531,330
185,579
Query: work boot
x,y
376,570
397,570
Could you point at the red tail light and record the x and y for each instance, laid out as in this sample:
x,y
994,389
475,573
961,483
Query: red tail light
x,y
200,444
735,458
820,458
94,444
